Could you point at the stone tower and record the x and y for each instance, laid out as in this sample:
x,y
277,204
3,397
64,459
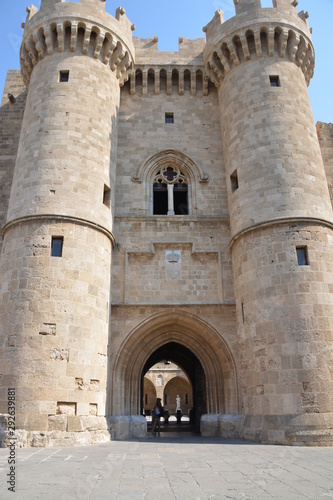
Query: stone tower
x,y
57,242
281,219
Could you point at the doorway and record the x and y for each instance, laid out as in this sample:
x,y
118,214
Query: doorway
x,y
190,342
176,353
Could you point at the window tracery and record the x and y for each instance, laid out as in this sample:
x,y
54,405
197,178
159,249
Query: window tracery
x,y
170,192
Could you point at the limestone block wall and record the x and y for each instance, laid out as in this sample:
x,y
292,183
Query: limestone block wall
x,y
270,183
144,133
54,323
144,272
285,320
325,136
11,115
54,137
141,271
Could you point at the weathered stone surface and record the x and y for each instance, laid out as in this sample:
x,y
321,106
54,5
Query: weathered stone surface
x,y
127,427
74,423
58,423
223,425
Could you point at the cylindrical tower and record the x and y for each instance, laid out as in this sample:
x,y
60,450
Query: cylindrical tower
x,y
55,267
281,220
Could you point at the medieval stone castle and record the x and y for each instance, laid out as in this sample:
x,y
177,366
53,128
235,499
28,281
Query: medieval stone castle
x,y
165,206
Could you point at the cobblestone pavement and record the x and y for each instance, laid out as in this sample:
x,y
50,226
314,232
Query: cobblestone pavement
x,y
169,467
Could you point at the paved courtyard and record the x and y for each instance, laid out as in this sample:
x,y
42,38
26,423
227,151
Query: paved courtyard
x,y
168,467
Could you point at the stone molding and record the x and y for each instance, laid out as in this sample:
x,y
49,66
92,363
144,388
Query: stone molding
x,y
59,218
280,221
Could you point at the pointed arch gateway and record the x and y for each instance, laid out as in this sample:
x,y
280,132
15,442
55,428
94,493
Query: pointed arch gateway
x,y
175,327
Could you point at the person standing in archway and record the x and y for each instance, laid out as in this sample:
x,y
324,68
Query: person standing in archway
x,y
158,412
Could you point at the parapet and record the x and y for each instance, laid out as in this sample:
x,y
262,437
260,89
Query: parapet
x,y
82,27
189,53
255,31
287,7
95,3
250,12
325,131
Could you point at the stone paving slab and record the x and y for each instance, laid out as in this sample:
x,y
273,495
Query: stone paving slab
x,y
170,467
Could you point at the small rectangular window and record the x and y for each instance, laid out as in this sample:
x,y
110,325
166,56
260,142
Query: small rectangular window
x,y
234,181
274,81
169,118
63,76
107,196
56,246
302,256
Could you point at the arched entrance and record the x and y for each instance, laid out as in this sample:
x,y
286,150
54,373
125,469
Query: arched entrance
x,y
183,357
194,345
182,388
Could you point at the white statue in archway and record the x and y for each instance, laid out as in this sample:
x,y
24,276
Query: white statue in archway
x,y
178,403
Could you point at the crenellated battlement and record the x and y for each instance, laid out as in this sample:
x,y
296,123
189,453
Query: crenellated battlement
x,y
168,73
169,80
255,32
61,27
288,7
96,3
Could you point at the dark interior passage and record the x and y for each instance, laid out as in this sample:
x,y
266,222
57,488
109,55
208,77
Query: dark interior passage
x,y
190,364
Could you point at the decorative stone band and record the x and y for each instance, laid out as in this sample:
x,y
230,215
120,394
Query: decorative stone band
x,y
59,218
71,35
281,220
169,78
271,39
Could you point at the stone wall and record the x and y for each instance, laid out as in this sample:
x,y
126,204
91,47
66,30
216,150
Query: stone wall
x,y
11,115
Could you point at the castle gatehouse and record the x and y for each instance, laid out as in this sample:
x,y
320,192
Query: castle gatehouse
x,y
165,207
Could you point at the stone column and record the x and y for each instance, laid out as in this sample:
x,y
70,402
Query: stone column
x,y
171,210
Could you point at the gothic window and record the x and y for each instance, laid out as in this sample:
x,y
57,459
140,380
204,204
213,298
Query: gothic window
x,y
170,192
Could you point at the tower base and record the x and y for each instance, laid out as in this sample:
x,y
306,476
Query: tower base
x,y
309,429
75,430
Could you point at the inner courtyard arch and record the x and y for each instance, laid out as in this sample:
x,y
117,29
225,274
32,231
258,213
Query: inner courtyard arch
x,y
190,364
188,341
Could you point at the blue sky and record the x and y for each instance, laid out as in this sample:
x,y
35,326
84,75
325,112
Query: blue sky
x,y
173,18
